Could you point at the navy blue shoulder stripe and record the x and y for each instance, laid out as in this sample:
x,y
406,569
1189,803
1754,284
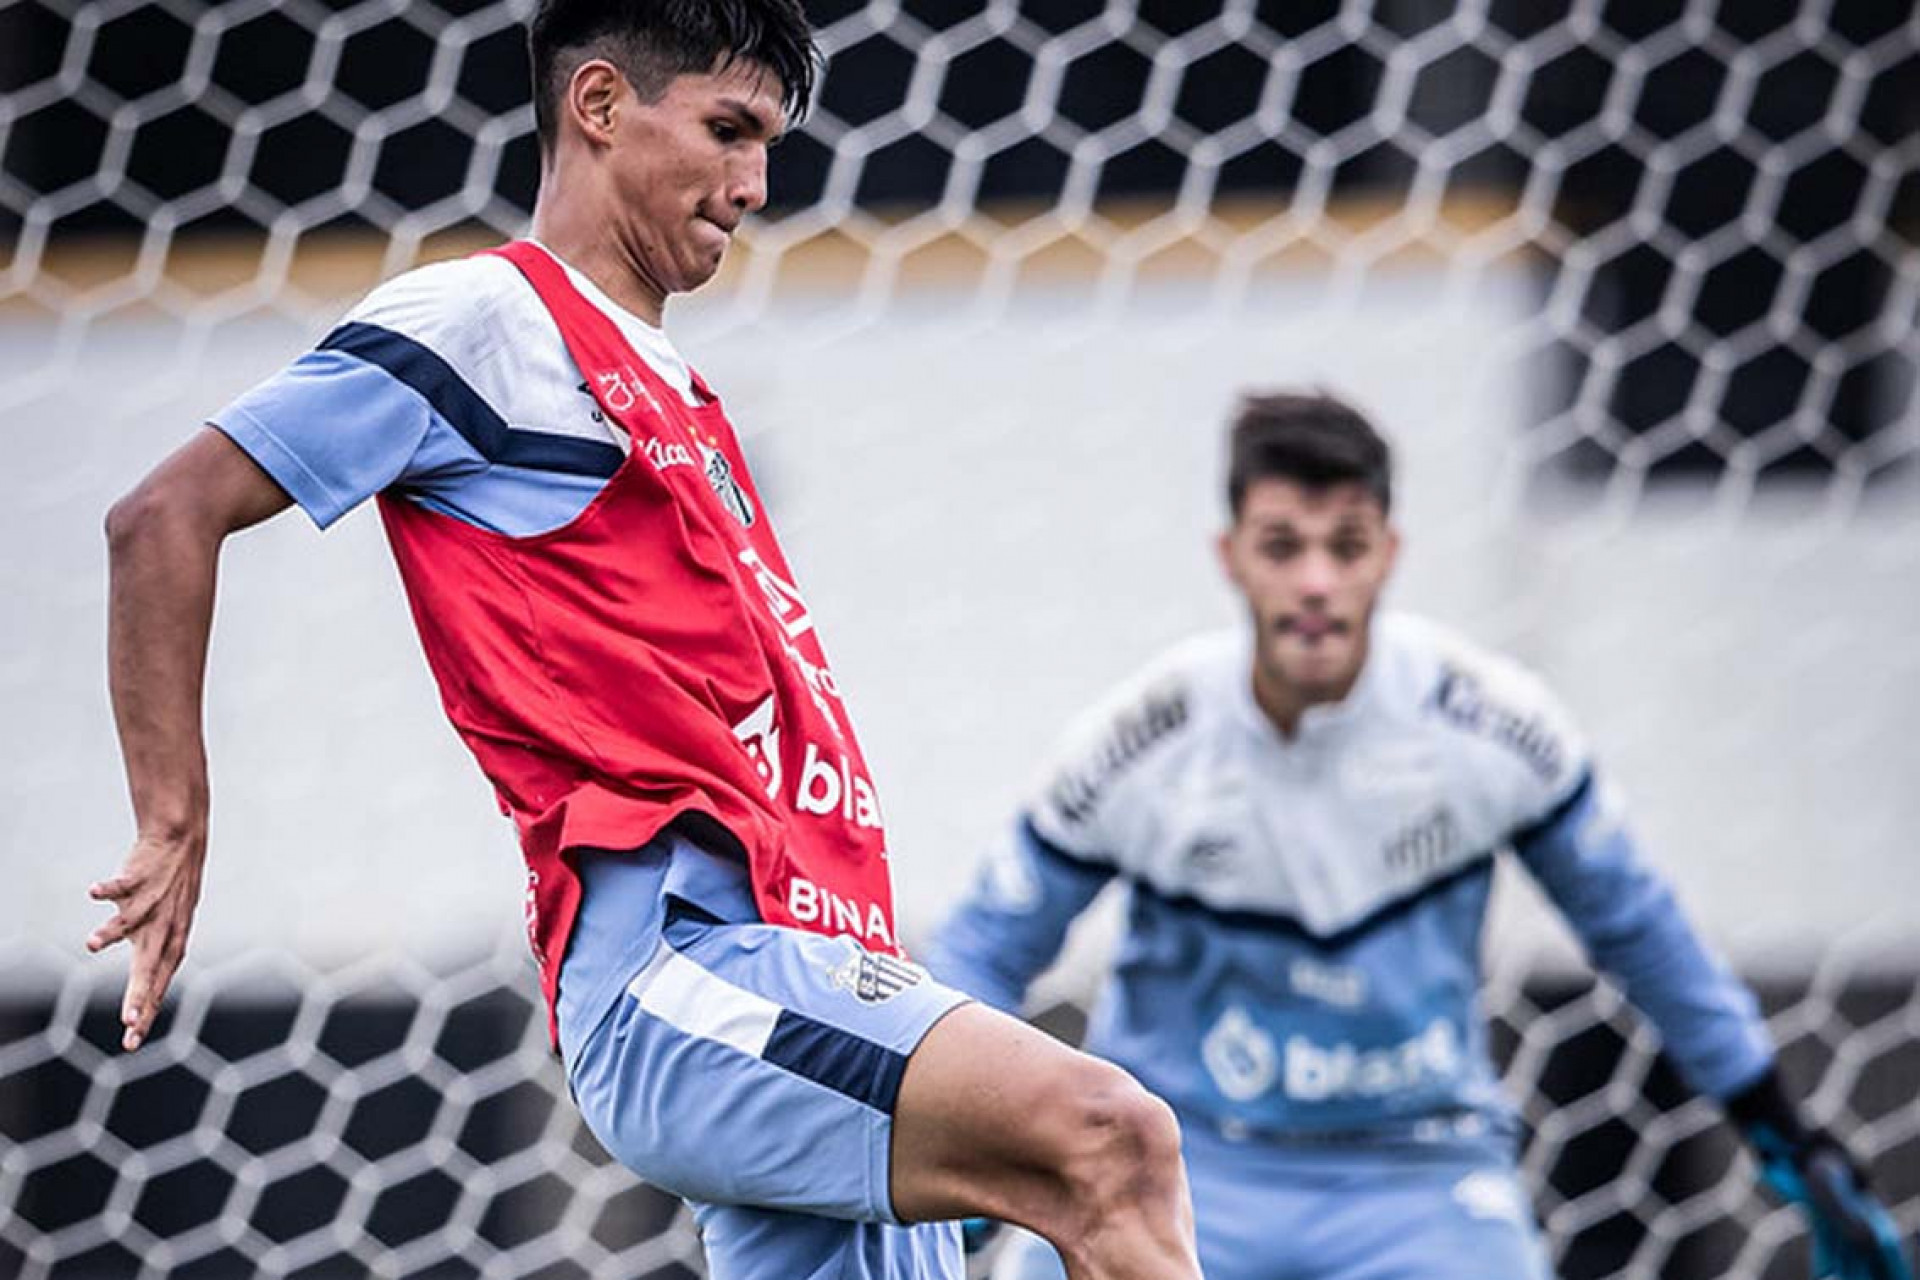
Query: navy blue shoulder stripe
x,y
475,419
1263,921
1527,835
1275,922
1071,861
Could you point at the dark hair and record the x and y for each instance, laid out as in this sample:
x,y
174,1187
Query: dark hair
x,y
1312,439
652,41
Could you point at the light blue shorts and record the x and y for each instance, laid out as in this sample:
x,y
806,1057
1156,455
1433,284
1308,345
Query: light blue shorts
x,y
1263,1212
750,1069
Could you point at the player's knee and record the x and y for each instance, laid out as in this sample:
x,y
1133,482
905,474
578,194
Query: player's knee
x,y
1120,1154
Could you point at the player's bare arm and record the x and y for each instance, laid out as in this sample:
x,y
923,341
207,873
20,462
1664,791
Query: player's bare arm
x,y
164,540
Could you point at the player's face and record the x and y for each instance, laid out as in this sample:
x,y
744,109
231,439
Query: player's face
x,y
1311,562
689,167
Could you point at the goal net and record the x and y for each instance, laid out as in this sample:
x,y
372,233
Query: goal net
x,y
1633,286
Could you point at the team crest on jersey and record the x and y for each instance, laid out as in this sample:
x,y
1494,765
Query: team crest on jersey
x,y
874,978
725,487
1208,856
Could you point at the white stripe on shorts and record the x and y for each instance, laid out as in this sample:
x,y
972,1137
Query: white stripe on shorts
x,y
676,990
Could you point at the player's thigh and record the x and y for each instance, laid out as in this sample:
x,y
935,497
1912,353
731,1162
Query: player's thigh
x,y
759,1066
767,1244
1441,1223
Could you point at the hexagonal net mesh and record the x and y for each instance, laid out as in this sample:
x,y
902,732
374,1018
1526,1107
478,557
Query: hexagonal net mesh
x,y
1635,285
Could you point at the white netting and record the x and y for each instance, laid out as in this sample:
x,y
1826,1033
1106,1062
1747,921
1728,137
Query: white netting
x,y
1634,285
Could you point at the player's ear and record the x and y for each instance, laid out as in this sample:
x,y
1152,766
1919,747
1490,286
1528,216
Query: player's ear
x,y
593,97
1391,551
1223,547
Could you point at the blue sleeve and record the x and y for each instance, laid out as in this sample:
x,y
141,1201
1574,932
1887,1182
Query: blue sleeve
x,y
1011,925
1635,931
333,430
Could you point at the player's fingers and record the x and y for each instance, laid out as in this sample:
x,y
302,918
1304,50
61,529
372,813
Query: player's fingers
x,y
114,930
146,987
111,889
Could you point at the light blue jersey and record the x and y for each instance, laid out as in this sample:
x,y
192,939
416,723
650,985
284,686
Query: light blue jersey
x,y
1300,960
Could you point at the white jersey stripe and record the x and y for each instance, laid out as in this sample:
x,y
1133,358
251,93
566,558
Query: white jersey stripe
x,y
680,992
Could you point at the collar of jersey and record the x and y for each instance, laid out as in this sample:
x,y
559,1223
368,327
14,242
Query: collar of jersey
x,y
649,340
1316,723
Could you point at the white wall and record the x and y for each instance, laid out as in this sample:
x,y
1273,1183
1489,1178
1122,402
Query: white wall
x,y
993,520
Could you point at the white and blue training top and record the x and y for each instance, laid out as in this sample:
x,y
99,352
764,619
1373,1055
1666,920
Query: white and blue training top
x,y
1301,952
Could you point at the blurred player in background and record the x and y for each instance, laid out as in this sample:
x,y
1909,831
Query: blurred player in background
x,y
1305,812
618,640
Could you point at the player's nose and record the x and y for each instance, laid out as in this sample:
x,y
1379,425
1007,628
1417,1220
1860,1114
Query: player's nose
x,y
747,181
1317,575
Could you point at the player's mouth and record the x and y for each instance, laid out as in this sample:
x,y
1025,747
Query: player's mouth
x,y
1309,628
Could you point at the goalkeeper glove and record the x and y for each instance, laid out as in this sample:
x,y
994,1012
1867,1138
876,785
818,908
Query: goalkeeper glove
x,y
1854,1237
977,1233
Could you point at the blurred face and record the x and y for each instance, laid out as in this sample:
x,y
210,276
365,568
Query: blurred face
x,y
1311,563
688,168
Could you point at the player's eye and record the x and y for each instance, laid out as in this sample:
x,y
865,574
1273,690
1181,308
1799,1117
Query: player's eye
x,y
1280,548
1349,549
725,130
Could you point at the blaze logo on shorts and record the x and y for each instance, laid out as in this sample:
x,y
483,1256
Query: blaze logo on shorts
x,y
875,978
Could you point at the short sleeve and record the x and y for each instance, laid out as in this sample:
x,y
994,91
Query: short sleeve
x,y
336,426
330,429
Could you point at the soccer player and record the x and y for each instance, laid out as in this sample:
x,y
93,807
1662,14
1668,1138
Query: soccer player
x,y
619,641
1305,813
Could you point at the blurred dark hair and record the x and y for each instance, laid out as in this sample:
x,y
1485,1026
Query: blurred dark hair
x,y
1310,438
652,41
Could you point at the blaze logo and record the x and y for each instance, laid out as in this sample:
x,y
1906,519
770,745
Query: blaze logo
x,y
760,735
1326,1073
1240,1056
783,598
829,785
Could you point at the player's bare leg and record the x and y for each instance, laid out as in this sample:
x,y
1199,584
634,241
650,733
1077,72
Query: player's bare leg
x,y
997,1119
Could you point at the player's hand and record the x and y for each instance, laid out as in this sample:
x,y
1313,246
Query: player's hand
x,y
1854,1237
154,895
